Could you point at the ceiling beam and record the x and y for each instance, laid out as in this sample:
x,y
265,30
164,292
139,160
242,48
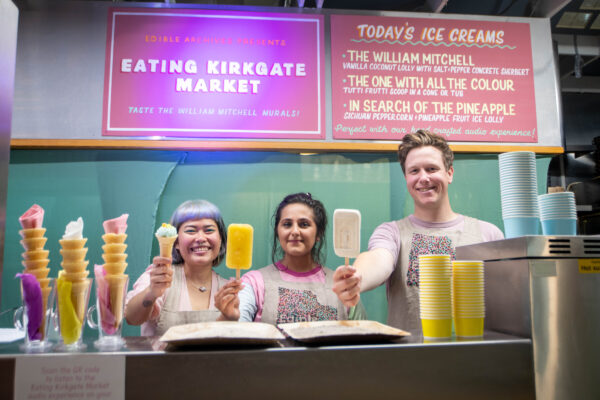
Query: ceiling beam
x,y
546,8
585,84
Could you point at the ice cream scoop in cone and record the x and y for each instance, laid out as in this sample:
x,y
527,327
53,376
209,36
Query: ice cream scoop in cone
x,y
35,255
114,248
35,264
72,243
80,292
115,268
114,238
32,232
117,285
34,243
165,244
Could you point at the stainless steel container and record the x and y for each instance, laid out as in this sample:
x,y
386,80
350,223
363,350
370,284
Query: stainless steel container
x,y
547,288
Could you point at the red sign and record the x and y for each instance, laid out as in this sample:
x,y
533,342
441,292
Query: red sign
x,y
199,73
466,80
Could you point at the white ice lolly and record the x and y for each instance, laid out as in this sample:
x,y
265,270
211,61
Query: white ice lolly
x,y
346,233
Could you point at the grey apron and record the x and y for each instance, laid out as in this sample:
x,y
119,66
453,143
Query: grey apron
x,y
169,316
299,301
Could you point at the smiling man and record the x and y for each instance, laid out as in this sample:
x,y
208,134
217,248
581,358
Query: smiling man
x,y
433,228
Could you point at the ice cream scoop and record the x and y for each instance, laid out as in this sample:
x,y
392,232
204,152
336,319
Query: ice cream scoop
x,y
74,229
346,233
166,235
32,218
116,225
239,247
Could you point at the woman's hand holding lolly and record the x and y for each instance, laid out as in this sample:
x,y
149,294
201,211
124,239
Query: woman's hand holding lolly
x,y
346,284
228,302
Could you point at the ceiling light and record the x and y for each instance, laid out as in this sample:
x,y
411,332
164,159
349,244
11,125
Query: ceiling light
x,y
596,24
574,20
590,5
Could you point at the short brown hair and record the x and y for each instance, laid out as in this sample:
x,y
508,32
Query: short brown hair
x,y
422,138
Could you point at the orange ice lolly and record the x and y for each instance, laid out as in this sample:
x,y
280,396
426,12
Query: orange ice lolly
x,y
239,247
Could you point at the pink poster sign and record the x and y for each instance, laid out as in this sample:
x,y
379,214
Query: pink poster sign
x,y
466,80
214,74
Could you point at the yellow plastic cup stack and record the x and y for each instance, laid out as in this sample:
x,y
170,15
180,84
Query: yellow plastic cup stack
x,y
35,261
435,288
74,269
468,297
114,264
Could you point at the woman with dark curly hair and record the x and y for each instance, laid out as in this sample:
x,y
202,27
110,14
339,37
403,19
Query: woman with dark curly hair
x,y
296,287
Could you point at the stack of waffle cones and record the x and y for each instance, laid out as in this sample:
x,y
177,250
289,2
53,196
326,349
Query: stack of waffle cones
x,y
75,271
114,265
35,261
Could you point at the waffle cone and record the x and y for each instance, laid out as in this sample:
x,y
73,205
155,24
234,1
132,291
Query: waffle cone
x,y
115,268
71,255
114,238
35,255
44,283
79,297
74,266
76,277
32,232
45,293
72,243
39,273
116,286
166,245
35,264
114,257
35,243
114,248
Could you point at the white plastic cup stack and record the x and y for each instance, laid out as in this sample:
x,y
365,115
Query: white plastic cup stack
x,y
468,304
518,192
435,288
558,213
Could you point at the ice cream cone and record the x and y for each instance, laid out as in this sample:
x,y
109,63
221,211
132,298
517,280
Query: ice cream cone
x,y
35,243
35,255
79,297
115,268
72,243
35,264
40,273
114,257
32,232
44,282
75,277
45,293
166,245
114,248
74,266
116,286
70,255
114,238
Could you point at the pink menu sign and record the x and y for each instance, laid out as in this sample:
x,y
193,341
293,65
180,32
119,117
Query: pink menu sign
x,y
466,80
217,74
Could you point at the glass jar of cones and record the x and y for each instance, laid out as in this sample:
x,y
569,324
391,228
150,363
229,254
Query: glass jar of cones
x,y
111,288
34,315
73,293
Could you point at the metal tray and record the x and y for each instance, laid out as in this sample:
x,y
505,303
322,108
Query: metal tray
x,y
341,332
222,333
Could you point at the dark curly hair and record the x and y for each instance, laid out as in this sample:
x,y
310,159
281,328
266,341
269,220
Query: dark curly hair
x,y
320,216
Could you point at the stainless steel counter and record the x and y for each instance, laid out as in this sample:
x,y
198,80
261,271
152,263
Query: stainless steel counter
x,y
498,366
